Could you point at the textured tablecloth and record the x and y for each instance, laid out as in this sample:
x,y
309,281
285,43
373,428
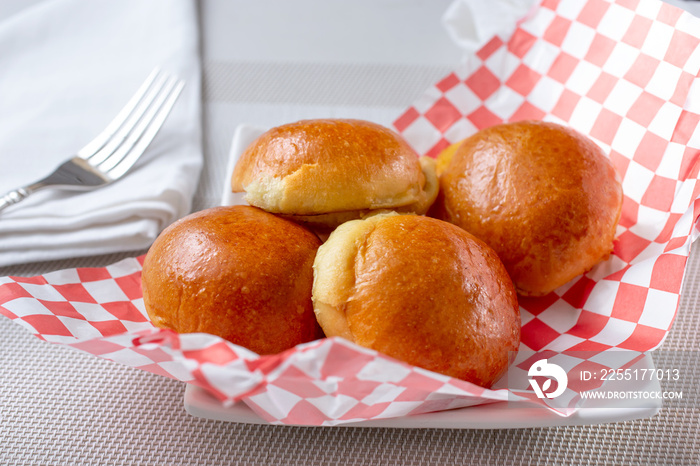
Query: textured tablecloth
x,y
58,406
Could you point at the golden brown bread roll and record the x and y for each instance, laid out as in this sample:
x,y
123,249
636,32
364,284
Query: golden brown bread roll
x,y
543,196
237,272
419,290
326,171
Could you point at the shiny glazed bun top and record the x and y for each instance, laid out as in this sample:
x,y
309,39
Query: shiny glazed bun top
x,y
237,272
328,171
419,290
543,196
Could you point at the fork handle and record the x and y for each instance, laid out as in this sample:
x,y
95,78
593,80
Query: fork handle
x,y
14,196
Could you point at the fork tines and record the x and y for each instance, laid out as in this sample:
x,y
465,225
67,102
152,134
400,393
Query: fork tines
x,y
123,141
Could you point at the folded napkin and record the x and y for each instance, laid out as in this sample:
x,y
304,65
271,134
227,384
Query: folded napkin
x,y
68,66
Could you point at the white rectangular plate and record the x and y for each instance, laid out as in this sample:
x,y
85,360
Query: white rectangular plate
x,y
501,415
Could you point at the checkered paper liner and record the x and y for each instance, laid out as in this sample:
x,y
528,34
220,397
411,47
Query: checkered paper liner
x,y
624,72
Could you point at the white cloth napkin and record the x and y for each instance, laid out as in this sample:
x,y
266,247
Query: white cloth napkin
x,y
66,68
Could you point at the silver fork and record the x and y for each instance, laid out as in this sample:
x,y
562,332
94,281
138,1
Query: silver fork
x,y
113,152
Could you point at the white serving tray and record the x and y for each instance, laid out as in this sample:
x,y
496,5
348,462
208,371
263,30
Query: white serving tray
x,y
500,415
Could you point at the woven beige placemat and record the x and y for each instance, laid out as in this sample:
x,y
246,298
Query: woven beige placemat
x,y
59,406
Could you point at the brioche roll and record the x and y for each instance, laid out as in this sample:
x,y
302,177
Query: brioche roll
x,y
237,272
419,290
325,172
544,197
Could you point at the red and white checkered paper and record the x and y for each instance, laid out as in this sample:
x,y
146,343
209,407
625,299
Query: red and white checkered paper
x,y
623,72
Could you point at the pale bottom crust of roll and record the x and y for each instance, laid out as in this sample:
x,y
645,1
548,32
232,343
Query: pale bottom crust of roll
x,y
330,220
